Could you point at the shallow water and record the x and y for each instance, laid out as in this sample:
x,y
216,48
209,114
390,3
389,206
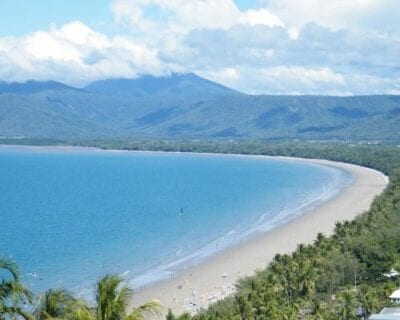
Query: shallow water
x,y
69,217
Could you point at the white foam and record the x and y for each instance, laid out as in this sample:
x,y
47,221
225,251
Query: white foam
x,y
340,180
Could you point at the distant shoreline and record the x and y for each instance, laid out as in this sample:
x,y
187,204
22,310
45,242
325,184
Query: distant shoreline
x,y
214,278
69,148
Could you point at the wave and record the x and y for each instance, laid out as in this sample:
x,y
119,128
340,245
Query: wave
x,y
173,267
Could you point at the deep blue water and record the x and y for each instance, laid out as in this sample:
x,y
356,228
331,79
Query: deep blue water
x,y
69,217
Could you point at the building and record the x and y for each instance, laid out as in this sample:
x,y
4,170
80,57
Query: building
x,y
387,314
395,297
392,274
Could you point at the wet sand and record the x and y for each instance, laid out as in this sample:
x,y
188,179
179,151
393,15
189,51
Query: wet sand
x,y
215,278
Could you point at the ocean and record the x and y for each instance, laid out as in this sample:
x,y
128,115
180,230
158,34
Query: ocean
x,y
70,215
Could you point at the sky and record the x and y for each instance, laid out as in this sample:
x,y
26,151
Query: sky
x,y
333,47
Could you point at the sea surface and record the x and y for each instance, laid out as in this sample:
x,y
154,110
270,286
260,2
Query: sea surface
x,y
69,216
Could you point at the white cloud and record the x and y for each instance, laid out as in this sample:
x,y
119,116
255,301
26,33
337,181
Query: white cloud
x,y
181,16
309,45
337,14
75,53
281,80
283,46
227,76
44,45
260,17
78,33
298,80
304,76
315,50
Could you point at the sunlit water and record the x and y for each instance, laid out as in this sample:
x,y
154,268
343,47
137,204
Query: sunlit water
x,y
70,216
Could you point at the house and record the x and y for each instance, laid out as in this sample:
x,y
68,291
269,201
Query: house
x,y
395,297
391,274
387,314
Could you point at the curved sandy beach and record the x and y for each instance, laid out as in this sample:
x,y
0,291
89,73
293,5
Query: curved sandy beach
x,y
215,278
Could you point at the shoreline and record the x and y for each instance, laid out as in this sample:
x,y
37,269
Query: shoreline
x,y
201,255
214,278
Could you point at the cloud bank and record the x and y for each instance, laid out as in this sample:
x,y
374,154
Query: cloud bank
x,y
281,47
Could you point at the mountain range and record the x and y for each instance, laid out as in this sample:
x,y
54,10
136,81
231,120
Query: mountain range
x,y
186,106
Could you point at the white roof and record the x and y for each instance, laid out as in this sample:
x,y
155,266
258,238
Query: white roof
x,y
395,294
387,314
392,311
392,273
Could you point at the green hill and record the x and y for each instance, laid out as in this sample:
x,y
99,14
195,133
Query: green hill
x,y
187,106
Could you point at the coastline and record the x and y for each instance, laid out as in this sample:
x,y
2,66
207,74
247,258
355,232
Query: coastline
x,y
214,278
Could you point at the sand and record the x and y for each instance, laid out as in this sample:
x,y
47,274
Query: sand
x,y
215,278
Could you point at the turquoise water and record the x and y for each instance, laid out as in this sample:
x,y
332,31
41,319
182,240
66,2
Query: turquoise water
x,y
70,216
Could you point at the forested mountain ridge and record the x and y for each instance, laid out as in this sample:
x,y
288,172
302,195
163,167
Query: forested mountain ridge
x,y
188,106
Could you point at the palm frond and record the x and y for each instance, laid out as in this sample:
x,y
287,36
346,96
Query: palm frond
x,y
82,312
112,298
54,303
10,266
149,310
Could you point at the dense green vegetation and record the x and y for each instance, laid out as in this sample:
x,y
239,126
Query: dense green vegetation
x,y
12,293
108,108
112,300
330,279
189,107
335,276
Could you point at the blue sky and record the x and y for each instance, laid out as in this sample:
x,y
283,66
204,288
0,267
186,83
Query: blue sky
x,y
257,46
22,16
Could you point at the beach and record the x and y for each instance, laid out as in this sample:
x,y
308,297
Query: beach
x,y
215,278
212,279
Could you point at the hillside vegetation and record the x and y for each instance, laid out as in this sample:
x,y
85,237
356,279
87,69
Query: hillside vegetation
x,y
186,106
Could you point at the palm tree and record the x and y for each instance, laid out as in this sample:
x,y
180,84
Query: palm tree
x,y
306,279
183,316
318,310
12,292
289,312
243,309
320,239
112,301
347,306
55,303
367,299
